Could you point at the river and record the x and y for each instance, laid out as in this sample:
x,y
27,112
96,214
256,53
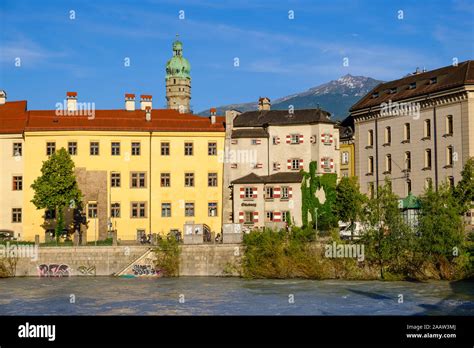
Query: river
x,y
231,296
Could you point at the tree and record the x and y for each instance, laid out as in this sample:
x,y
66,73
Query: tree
x,y
464,190
440,224
388,238
349,201
56,188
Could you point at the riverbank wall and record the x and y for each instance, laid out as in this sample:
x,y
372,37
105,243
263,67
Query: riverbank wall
x,y
195,260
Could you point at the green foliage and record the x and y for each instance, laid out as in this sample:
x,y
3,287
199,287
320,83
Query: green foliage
x,y
349,200
388,238
464,191
440,223
167,257
311,206
57,187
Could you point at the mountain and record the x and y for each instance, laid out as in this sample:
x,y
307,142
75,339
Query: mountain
x,y
336,96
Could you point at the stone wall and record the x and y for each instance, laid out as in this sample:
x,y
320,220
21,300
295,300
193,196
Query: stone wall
x,y
195,260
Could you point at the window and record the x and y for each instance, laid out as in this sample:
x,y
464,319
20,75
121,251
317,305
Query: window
x,y
269,216
388,163
449,125
212,149
255,142
249,217
138,209
188,149
449,155
50,214
370,165
17,149
269,192
371,189
428,158
115,149
165,179
115,179
408,187
408,160
92,210
412,85
188,209
406,132
165,209
212,209
388,135
276,140
16,214
433,80
50,148
370,138
188,179
285,192
165,149
295,164
451,181
284,216
392,90
138,180
248,192
427,129
276,166
94,148
115,210
345,157
72,148
212,179
375,95
428,183
17,183
295,139
136,149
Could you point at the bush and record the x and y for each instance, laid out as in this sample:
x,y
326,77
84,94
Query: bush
x,y
167,257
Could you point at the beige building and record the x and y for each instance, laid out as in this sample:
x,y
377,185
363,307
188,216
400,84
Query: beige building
x,y
415,130
12,122
268,142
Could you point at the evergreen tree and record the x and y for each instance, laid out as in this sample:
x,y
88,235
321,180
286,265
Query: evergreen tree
x,y
349,201
464,191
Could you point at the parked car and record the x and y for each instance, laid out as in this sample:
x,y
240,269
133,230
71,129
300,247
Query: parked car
x,y
6,235
347,231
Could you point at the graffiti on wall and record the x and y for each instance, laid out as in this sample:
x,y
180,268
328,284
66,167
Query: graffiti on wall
x,y
145,270
87,270
53,270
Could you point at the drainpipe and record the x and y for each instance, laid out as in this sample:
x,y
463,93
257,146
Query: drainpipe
x,y
376,154
435,142
149,185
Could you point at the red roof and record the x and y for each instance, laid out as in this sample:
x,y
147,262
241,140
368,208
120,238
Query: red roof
x,y
71,94
130,95
146,96
13,117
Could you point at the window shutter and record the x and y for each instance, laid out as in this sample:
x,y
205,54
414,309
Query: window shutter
x,y
276,192
301,163
289,164
255,216
278,140
242,192
322,162
288,139
330,138
254,192
332,163
258,141
233,141
277,216
301,138
322,138
241,217
290,192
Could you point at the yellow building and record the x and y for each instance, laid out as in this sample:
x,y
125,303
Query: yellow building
x,y
347,150
140,171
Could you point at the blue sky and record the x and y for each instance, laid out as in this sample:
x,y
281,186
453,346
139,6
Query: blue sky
x,y
278,56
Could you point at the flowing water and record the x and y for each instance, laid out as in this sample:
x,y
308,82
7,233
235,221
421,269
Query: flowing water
x,y
231,296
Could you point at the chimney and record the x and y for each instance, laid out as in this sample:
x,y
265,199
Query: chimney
x,y
264,104
213,115
148,113
130,102
71,98
145,100
3,97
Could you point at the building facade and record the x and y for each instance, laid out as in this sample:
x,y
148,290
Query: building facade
x,y
347,147
416,130
268,143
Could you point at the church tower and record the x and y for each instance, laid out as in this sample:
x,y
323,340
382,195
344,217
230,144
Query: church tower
x,y
178,80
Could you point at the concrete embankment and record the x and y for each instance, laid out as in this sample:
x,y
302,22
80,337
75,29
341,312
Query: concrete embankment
x,y
195,260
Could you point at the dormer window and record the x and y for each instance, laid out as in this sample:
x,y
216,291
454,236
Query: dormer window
x,y
433,80
375,95
392,90
412,85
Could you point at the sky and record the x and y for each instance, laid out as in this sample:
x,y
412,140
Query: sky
x,y
282,47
